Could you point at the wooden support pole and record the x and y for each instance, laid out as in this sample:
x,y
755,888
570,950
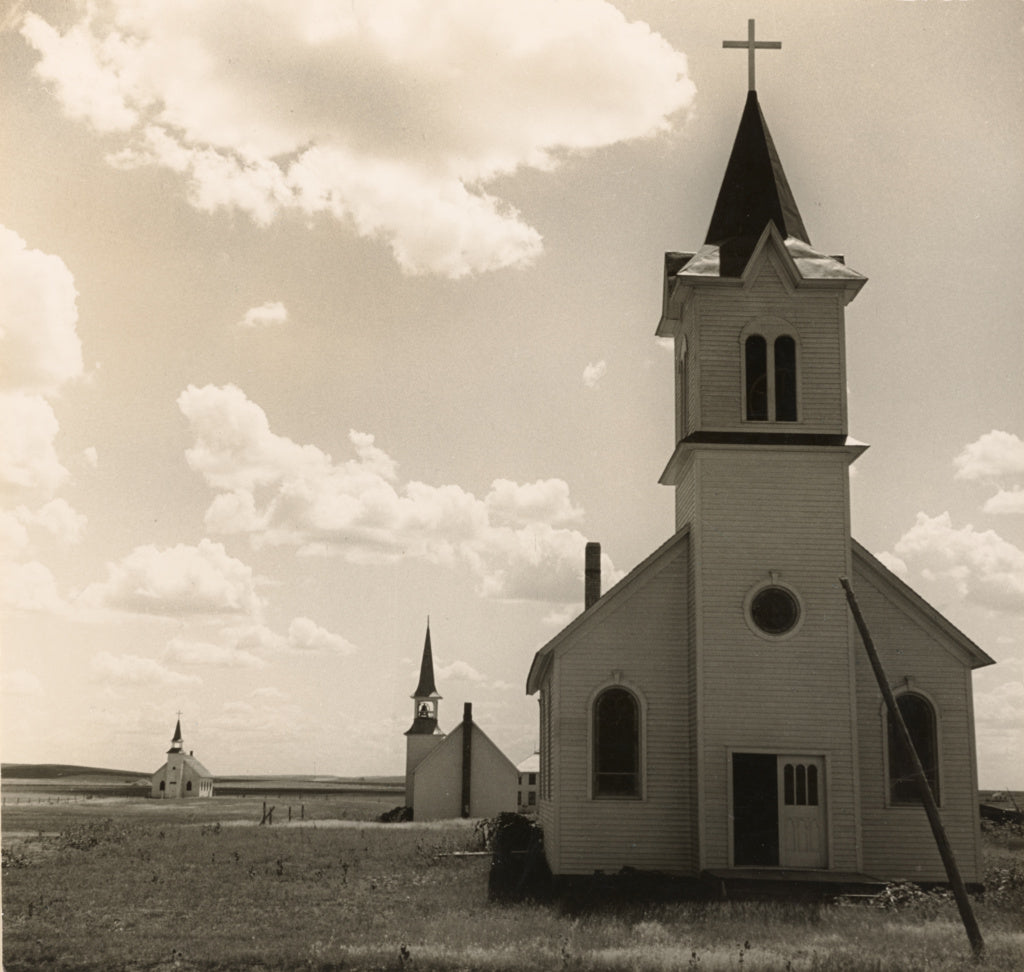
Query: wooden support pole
x,y
963,902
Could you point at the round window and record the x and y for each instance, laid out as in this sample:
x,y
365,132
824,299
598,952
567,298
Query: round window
x,y
774,610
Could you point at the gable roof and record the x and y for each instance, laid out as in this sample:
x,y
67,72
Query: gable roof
x,y
606,602
912,604
454,738
754,193
191,762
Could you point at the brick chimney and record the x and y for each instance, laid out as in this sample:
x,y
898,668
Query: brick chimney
x,y
592,575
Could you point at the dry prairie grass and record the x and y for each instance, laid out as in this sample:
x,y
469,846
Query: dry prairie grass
x,y
123,892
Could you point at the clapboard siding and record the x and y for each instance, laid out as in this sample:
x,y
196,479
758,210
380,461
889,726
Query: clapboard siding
x,y
898,842
759,512
641,643
816,321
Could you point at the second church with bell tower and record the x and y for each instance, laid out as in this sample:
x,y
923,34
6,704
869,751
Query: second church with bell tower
x,y
712,711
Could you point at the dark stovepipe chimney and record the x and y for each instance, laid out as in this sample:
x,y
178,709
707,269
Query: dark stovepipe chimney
x,y
592,575
467,756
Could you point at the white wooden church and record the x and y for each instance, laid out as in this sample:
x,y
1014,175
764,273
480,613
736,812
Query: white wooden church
x,y
458,774
714,712
182,776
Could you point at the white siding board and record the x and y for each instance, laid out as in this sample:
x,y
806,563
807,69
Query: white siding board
x,y
642,642
783,511
898,842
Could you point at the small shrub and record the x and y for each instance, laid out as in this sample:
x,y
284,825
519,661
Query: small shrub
x,y
88,835
1004,883
907,896
13,858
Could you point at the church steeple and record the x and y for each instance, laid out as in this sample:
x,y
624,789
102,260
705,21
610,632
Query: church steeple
x,y
176,741
426,696
754,193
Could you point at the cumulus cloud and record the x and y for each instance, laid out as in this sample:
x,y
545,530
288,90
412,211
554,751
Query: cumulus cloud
x,y
980,566
593,373
179,580
460,671
39,346
306,635
40,353
29,586
996,459
137,670
270,313
392,117
303,636
518,539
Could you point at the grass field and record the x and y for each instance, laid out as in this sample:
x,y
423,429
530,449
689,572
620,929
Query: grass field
x,y
198,886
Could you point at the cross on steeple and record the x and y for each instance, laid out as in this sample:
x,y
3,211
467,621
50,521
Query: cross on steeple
x,y
751,45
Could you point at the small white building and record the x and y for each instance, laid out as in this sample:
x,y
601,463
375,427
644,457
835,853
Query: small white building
x,y
528,770
463,774
182,776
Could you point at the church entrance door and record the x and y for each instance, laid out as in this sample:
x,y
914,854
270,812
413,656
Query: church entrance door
x,y
803,836
778,805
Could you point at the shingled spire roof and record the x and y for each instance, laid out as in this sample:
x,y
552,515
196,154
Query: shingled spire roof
x,y
426,688
754,193
176,740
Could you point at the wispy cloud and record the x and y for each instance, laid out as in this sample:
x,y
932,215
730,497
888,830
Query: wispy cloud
x,y
593,373
266,315
137,670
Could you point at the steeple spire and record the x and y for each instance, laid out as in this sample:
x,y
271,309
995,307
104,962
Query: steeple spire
x,y
176,741
426,687
426,696
754,193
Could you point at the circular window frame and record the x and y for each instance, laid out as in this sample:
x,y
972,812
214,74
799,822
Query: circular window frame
x,y
748,613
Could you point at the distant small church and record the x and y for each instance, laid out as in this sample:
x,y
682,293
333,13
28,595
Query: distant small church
x,y
714,713
463,774
182,776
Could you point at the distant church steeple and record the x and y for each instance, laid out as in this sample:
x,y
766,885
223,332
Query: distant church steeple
x,y
426,696
423,736
177,742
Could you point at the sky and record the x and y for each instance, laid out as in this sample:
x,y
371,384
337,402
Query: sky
x,y
320,319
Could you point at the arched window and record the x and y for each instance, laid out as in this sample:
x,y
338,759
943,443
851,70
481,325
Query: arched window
x,y
785,379
770,374
919,717
616,744
163,785
188,787
757,378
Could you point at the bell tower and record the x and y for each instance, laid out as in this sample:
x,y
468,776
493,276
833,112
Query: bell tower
x,y
761,474
423,735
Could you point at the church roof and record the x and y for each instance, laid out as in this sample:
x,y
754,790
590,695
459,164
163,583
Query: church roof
x,y
916,606
606,602
191,762
754,192
426,689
